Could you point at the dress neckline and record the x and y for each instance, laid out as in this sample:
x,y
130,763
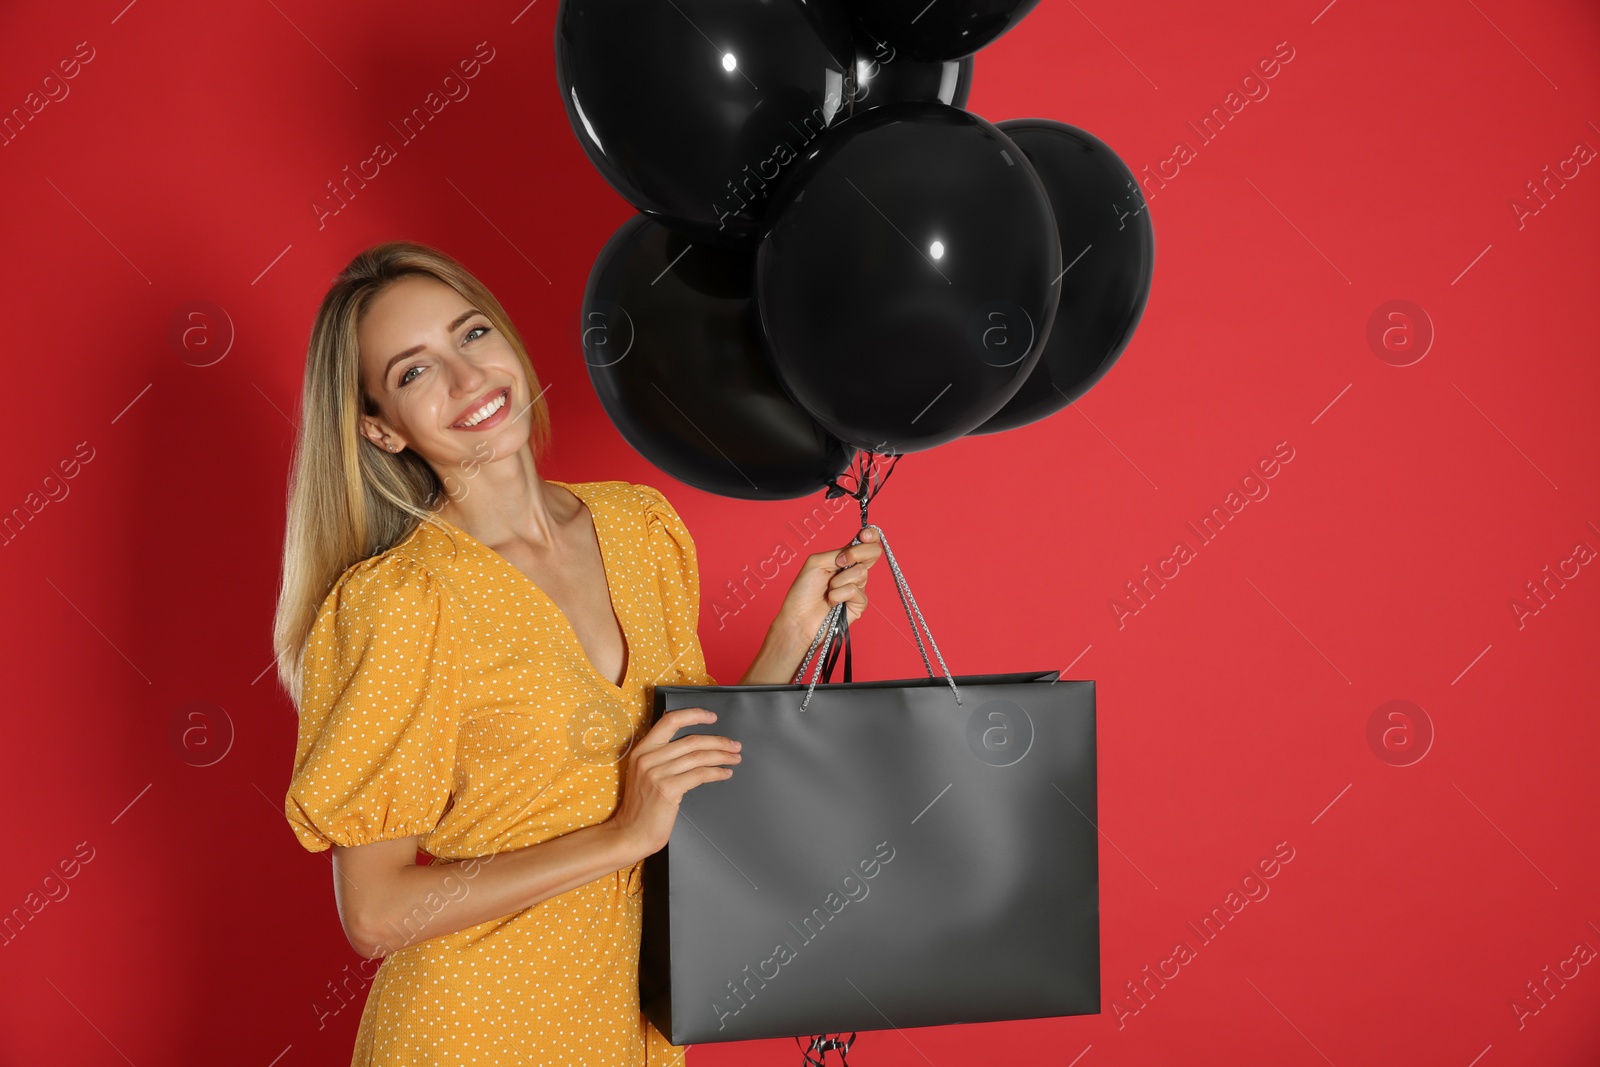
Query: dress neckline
x,y
603,537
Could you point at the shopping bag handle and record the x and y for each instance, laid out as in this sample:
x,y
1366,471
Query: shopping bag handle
x,y
837,621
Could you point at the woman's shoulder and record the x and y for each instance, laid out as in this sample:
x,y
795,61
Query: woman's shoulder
x,y
396,579
636,497
660,517
642,511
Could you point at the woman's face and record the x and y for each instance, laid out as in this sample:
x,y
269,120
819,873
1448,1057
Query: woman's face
x,y
432,362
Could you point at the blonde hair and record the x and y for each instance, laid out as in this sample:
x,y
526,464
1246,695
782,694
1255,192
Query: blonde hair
x,y
349,499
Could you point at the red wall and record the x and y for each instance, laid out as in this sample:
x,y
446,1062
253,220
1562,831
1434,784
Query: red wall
x,y
1384,564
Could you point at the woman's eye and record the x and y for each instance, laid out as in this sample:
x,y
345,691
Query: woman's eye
x,y
474,330
405,377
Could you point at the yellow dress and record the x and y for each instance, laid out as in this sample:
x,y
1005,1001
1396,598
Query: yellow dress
x,y
446,695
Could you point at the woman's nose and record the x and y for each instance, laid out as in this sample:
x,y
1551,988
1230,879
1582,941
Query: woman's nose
x,y
466,377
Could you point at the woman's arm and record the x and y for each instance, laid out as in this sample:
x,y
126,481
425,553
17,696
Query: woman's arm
x,y
388,901
779,656
825,579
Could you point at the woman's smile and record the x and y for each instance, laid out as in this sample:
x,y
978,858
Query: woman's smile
x,y
486,415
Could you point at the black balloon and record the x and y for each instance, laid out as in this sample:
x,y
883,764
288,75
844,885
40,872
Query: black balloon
x,y
694,110
884,76
1109,248
906,285
948,29
672,339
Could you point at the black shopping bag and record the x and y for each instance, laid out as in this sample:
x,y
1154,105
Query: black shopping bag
x,y
888,854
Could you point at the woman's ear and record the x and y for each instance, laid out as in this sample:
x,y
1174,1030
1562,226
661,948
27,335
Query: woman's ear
x,y
375,431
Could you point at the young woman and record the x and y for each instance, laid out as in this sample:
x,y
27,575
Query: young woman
x,y
471,647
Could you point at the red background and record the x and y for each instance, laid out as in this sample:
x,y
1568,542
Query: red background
x,y
1233,707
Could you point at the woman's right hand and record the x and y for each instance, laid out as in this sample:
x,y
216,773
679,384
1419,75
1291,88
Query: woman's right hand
x,y
659,770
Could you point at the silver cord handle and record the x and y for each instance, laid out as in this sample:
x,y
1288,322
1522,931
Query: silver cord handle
x,y
830,626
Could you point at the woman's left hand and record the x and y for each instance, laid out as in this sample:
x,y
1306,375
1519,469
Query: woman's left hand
x,y
826,579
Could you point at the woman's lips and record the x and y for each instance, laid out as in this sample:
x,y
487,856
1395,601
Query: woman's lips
x,y
494,419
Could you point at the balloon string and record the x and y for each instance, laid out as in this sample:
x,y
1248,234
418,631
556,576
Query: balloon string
x,y
823,1044
869,477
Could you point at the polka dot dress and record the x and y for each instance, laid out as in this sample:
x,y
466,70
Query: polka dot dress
x,y
447,696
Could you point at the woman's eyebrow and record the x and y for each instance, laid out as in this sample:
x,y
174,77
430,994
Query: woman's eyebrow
x,y
414,349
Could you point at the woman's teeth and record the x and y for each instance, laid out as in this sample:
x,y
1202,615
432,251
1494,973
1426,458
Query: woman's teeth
x,y
484,412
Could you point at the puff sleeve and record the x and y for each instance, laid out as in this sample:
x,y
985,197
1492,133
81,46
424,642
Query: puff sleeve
x,y
375,755
678,568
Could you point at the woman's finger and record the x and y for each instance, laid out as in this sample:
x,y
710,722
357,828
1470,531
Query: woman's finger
x,y
867,553
866,549
841,593
698,758
855,576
